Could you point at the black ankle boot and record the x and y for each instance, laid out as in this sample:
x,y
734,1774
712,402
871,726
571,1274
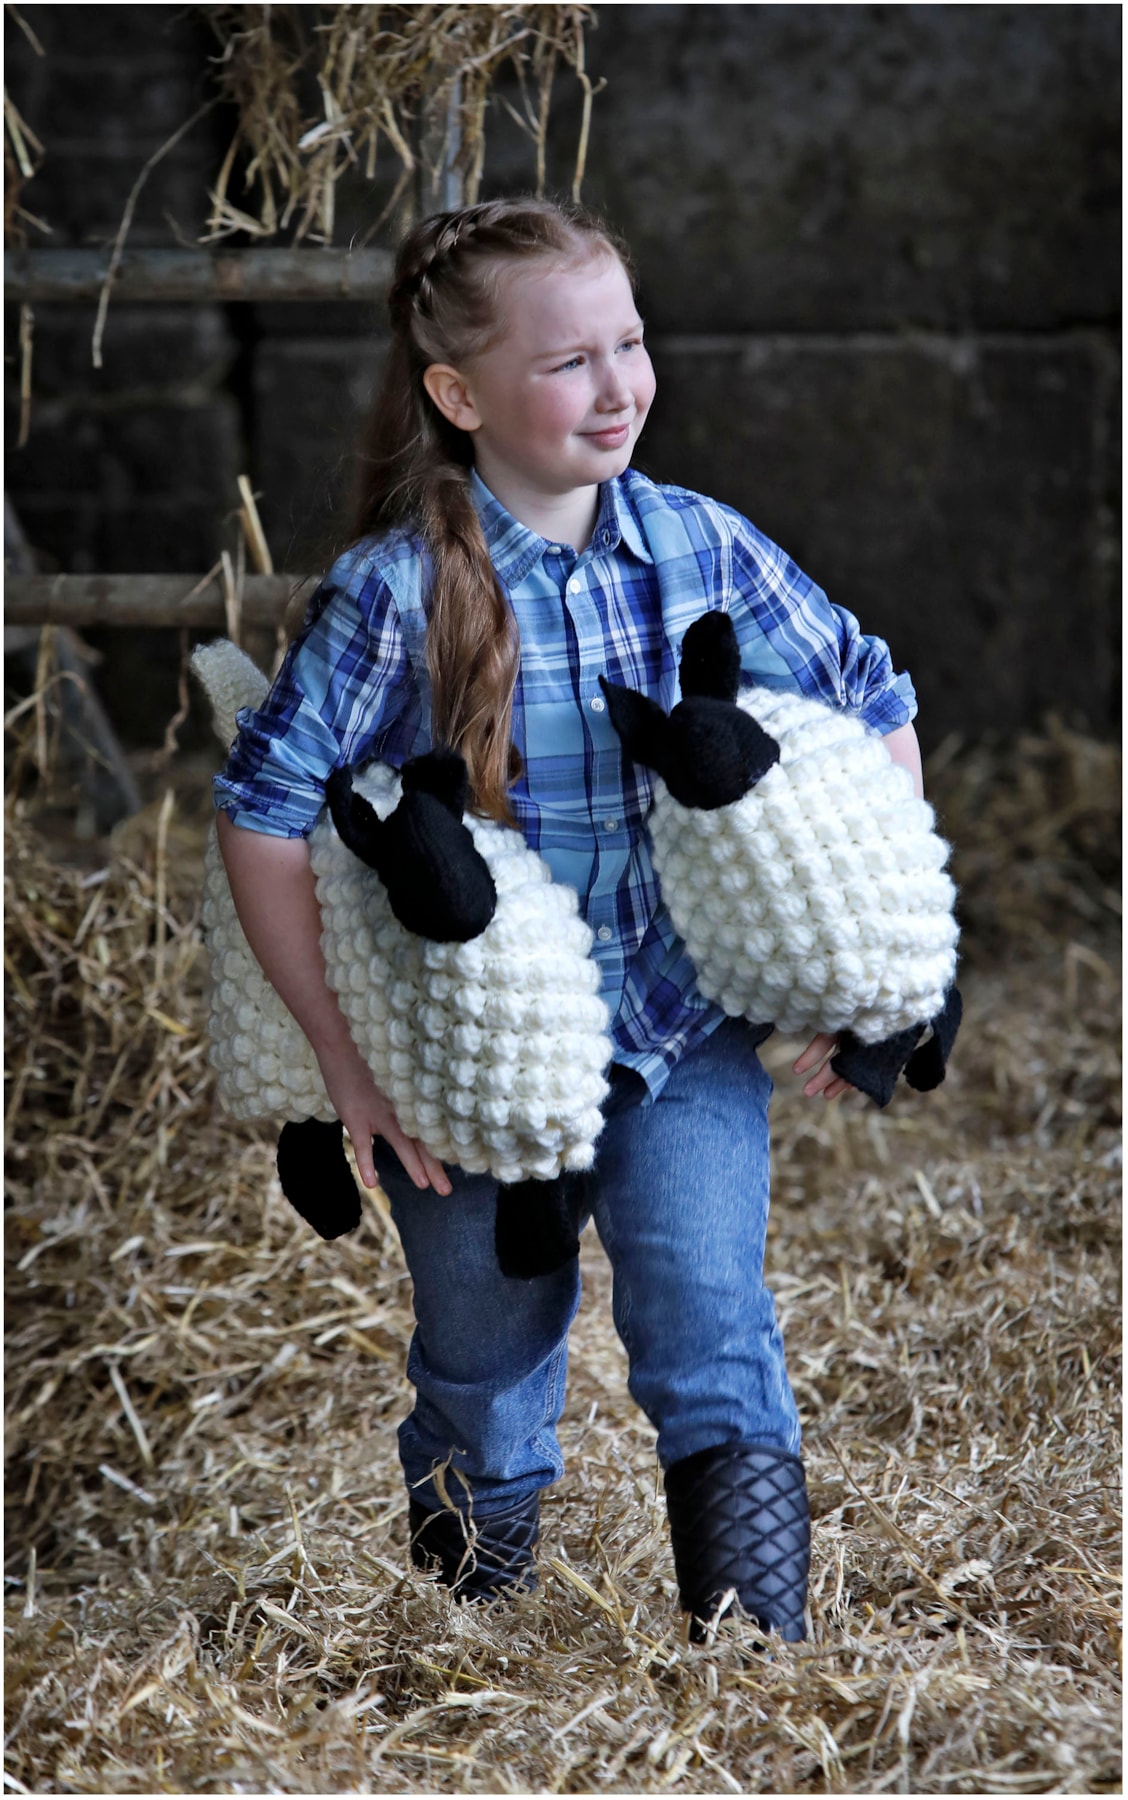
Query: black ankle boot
x,y
478,1558
739,1519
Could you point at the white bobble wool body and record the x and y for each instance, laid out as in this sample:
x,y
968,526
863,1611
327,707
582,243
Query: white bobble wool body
x,y
818,901
493,1052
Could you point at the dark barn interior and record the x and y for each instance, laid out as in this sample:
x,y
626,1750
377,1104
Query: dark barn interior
x,y
878,251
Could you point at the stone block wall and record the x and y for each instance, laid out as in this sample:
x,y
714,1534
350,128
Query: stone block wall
x,y
878,250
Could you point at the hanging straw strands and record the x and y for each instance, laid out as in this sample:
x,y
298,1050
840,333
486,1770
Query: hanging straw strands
x,y
417,79
207,1558
23,153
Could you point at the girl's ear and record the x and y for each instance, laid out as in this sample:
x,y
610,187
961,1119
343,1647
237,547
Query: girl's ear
x,y
448,390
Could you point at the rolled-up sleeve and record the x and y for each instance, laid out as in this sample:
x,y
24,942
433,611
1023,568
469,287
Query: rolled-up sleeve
x,y
344,682
791,635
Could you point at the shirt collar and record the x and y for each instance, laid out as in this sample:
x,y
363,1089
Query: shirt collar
x,y
514,548
617,514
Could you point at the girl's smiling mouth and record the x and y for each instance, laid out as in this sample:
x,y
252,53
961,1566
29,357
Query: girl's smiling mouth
x,y
611,438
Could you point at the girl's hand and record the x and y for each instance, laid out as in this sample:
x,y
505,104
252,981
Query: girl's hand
x,y
366,1113
817,1056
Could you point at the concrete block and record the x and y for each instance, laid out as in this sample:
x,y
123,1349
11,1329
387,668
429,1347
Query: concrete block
x,y
844,167
82,534
127,455
145,350
311,398
945,491
81,193
95,35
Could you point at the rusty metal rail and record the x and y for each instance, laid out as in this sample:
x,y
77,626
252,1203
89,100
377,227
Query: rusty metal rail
x,y
149,600
198,275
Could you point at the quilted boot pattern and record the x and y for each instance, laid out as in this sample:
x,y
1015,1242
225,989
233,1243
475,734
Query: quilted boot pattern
x,y
739,1519
482,1558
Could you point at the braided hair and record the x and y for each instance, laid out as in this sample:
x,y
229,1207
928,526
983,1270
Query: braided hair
x,y
445,306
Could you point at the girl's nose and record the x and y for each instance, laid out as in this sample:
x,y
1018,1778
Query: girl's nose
x,y
614,393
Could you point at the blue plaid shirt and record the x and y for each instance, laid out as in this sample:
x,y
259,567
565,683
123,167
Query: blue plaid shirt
x,y
354,687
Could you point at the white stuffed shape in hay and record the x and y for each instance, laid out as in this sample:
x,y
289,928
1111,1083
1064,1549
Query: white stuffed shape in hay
x,y
264,1066
819,900
804,874
492,1051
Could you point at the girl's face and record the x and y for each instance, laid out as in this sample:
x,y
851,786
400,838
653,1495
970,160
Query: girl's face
x,y
558,401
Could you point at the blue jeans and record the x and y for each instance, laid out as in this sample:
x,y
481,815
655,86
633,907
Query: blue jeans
x,y
679,1194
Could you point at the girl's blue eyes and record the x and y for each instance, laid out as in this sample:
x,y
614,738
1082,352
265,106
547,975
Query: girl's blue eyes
x,y
575,361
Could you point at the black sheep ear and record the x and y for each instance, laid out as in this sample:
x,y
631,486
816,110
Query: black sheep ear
x,y
710,658
358,825
441,773
438,883
641,724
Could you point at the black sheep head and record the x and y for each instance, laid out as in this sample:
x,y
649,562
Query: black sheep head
x,y
438,884
708,751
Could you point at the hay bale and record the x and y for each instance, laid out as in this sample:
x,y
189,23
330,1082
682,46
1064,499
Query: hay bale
x,y
208,1587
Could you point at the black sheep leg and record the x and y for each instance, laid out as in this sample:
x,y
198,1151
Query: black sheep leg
x,y
927,1068
873,1068
316,1177
538,1225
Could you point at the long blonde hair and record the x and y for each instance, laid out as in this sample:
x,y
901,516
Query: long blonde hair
x,y
445,307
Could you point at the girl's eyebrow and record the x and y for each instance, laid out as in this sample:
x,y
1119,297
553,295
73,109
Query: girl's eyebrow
x,y
570,346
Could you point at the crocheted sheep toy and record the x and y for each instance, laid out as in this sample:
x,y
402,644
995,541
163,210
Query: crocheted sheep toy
x,y
802,871
463,972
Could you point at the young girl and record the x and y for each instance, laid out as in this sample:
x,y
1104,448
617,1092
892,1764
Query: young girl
x,y
505,557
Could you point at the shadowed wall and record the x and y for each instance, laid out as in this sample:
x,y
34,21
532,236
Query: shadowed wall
x,y
879,261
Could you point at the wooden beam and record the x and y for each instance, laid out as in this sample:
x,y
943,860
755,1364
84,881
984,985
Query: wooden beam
x,y
88,742
36,275
156,600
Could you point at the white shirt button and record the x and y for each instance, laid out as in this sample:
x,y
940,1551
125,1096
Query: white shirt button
x,y
610,824
575,586
599,704
604,934
555,550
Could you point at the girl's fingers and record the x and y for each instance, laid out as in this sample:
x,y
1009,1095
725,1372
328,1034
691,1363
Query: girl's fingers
x,y
362,1150
816,1052
437,1175
824,1081
417,1160
405,1148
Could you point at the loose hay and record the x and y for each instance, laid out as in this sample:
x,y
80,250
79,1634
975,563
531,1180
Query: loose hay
x,y
414,82
208,1586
